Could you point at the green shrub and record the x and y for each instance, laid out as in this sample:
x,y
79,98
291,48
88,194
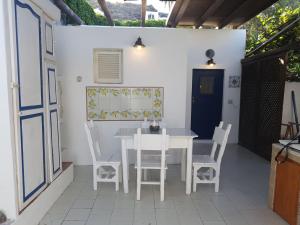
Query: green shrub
x,y
85,12
137,23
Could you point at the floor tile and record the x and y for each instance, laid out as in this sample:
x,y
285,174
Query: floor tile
x,y
83,204
73,223
144,217
214,223
78,214
167,216
100,218
242,199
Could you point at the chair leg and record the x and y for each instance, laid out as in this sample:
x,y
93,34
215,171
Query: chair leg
x,y
117,178
95,176
162,185
120,174
211,173
194,179
217,184
145,174
138,188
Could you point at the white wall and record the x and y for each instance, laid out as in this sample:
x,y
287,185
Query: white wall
x,y
7,171
167,60
288,112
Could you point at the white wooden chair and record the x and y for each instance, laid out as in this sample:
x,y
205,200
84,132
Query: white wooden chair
x,y
212,162
146,143
145,125
106,168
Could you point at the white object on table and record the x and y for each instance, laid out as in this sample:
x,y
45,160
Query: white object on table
x,y
179,138
100,161
294,144
220,138
146,143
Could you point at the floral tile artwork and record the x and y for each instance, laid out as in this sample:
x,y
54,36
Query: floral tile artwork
x,y
124,103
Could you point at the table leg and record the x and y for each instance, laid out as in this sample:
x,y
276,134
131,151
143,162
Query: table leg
x,y
125,166
183,164
189,166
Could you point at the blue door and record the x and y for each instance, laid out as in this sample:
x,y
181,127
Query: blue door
x,y
207,99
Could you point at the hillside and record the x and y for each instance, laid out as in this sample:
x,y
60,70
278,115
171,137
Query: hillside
x,y
123,11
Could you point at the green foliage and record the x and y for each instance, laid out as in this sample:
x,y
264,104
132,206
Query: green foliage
x,y
269,22
266,24
85,12
137,23
293,66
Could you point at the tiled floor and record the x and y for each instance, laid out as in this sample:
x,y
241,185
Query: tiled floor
x,y
242,199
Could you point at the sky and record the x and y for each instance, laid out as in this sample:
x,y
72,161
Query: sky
x,y
159,5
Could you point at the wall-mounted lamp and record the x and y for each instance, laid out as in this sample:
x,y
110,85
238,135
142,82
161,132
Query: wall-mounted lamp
x,y
210,54
281,60
139,44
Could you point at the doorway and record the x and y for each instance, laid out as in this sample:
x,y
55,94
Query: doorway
x,y
207,101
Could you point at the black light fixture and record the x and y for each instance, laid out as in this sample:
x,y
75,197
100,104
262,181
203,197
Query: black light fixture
x,y
139,44
210,54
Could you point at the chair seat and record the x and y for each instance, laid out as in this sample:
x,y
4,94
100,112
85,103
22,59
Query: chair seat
x,y
203,159
109,159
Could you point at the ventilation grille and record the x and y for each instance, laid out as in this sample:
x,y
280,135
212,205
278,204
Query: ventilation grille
x,y
108,65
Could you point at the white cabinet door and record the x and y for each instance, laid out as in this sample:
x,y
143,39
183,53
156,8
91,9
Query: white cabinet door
x,y
29,103
53,121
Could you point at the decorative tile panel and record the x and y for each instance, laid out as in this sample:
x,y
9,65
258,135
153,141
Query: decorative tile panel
x,y
124,103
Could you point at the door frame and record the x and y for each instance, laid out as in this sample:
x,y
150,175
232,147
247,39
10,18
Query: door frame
x,y
190,96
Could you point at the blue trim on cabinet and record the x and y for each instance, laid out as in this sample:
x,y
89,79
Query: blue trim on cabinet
x,y
41,105
53,70
26,197
49,25
54,171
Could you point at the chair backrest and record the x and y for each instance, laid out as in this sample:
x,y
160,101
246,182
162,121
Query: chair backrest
x,y
93,139
220,138
148,142
151,142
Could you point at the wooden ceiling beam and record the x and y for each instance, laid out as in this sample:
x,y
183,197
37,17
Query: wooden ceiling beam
x,y
143,12
177,12
173,13
181,11
209,12
245,7
106,12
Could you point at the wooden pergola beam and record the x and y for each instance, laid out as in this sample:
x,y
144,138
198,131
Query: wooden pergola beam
x,y
209,12
143,12
181,11
173,13
106,12
67,10
247,5
177,12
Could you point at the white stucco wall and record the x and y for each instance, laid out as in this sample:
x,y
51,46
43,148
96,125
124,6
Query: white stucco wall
x,y
168,60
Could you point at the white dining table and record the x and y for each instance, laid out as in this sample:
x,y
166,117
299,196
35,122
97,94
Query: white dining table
x,y
180,138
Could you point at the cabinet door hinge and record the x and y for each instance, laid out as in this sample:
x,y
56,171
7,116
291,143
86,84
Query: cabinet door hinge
x,y
14,85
